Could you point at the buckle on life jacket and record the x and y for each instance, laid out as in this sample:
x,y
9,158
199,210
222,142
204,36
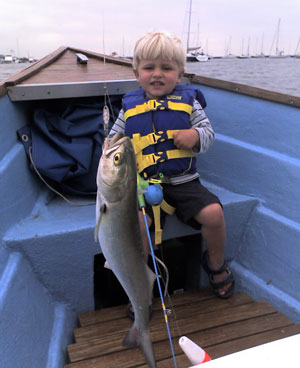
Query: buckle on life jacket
x,y
152,105
158,137
157,179
144,161
158,158
140,143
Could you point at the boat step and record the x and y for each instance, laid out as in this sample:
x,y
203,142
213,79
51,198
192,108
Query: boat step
x,y
219,326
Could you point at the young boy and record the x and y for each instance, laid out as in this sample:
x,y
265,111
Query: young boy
x,y
181,129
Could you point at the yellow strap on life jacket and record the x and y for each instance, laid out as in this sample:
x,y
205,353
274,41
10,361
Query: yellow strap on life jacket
x,y
153,105
180,106
157,227
166,207
144,161
156,213
140,142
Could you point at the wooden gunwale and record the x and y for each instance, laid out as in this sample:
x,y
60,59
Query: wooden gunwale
x,y
55,65
51,58
34,68
54,59
248,90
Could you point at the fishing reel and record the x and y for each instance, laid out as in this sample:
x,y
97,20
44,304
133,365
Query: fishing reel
x,y
149,190
154,194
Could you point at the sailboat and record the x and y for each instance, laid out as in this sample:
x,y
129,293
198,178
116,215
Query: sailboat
x,y
297,51
261,55
278,53
227,50
242,55
194,53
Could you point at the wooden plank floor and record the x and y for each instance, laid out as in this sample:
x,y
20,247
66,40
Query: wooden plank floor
x,y
219,326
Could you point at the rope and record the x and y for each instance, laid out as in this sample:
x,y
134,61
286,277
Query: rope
x,y
51,188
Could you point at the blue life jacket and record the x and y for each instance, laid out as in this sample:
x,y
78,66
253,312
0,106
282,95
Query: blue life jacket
x,y
151,125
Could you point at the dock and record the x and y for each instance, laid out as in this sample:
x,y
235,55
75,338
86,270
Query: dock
x,y
221,327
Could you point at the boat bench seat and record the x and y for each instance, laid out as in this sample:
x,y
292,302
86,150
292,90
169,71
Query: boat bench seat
x,y
174,228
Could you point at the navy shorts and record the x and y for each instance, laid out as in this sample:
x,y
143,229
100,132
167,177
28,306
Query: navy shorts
x,y
188,199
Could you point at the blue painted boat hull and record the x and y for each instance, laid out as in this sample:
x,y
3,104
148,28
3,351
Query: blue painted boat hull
x,y
47,248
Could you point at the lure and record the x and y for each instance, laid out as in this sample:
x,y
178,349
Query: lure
x,y
106,117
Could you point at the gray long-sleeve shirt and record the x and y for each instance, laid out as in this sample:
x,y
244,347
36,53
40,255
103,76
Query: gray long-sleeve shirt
x,y
198,121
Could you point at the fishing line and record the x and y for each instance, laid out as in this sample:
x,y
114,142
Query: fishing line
x,y
159,287
166,271
166,293
105,113
171,310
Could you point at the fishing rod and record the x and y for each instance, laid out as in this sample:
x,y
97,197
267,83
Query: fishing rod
x,y
157,199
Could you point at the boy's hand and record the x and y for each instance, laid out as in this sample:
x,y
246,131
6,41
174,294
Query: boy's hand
x,y
186,139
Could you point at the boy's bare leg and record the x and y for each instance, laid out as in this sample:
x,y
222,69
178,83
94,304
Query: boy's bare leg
x,y
214,234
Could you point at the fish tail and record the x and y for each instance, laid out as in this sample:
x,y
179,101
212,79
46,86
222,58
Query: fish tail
x,y
132,337
142,339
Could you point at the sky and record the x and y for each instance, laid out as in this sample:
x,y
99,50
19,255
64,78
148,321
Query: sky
x,y
37,27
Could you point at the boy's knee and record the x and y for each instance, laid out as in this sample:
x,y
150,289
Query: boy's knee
x,y
211,215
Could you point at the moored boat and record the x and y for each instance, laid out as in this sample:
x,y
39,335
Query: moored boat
x,y
47,247
197,55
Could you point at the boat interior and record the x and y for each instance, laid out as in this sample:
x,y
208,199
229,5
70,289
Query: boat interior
x,y
51,269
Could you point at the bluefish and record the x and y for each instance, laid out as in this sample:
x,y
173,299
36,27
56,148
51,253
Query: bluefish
x,y
119,235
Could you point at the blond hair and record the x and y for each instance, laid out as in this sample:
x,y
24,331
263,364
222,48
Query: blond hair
x,y
159,44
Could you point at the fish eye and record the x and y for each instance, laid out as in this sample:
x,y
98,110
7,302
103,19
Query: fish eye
x,y
117,158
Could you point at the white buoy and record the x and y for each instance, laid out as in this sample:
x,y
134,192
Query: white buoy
x,y
194,352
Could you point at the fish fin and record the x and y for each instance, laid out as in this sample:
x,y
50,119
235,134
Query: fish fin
x,y
99,214
132,338
135,337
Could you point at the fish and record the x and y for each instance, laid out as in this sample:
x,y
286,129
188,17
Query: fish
x,y
117,230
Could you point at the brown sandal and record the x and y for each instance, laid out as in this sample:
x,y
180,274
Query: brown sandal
x,y
218,285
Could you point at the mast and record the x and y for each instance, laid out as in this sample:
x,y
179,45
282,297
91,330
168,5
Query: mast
x,y
248,50
277,39
189,28
297,47
262,44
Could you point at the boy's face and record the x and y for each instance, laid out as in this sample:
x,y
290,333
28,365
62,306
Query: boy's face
x,y
158,77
